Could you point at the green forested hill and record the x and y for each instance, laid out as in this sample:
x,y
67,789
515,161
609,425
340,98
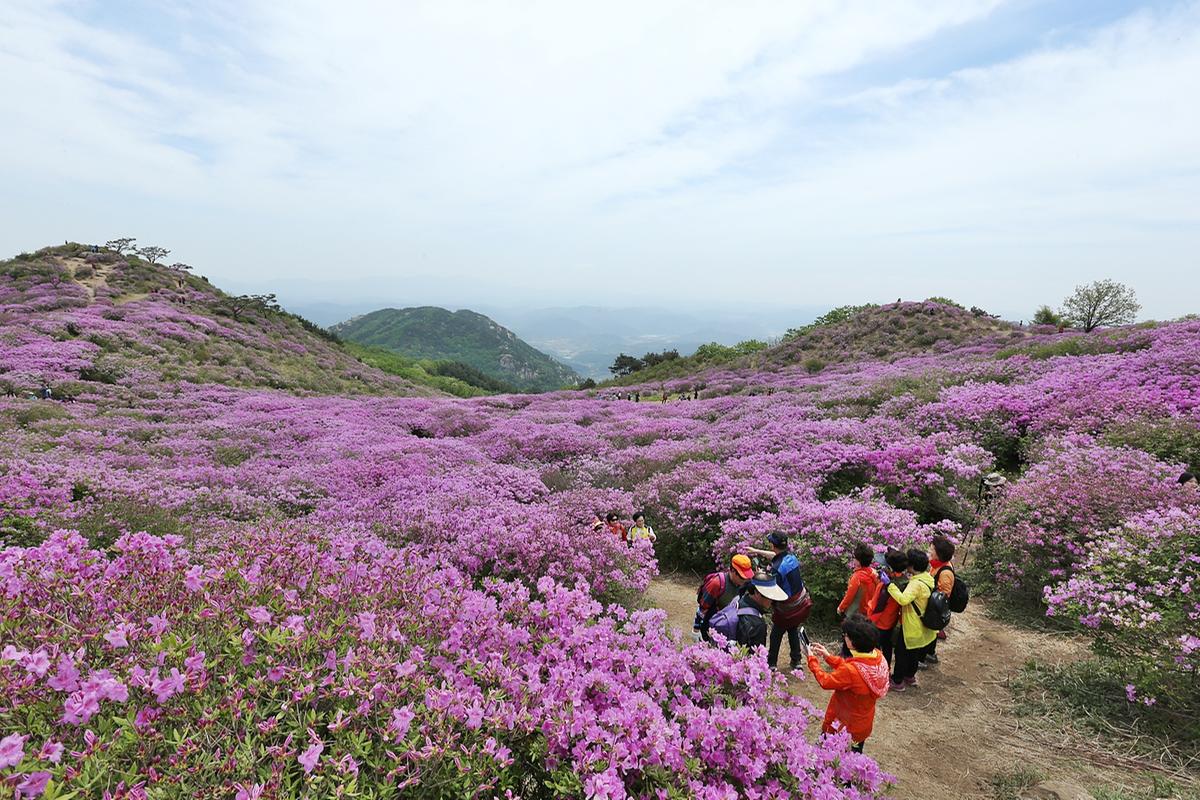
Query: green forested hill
x,y
434,333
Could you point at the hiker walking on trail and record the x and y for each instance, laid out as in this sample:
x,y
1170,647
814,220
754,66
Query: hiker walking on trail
x,y
789,614
857,681
741,621
913,602
885,612
718,590
640,529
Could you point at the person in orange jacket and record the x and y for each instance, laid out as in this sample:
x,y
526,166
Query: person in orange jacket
x,y
940,557
857,682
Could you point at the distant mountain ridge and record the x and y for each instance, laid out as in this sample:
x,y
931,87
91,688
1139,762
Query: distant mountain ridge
x,y
430,332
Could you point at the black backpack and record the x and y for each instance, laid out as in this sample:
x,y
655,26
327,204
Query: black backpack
x,y
937,611
960,595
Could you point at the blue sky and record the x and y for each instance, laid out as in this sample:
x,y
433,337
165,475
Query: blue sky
x,y
661,153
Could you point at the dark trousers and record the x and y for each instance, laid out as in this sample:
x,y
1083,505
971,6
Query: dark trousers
x,y
905,665
885,644
793,636
931,650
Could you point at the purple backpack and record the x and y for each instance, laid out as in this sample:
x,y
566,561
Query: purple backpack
x,y
725,621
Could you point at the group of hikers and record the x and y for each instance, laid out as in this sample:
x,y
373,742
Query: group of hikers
x,y
629,534
896,608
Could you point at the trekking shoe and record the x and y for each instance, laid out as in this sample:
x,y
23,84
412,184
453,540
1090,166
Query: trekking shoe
x,y
897,686
941,635
931,660
910,683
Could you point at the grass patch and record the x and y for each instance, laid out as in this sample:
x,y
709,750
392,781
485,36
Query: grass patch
x,y
1008,785
1089,695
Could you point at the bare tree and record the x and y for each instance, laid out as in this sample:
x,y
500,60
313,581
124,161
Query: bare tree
x,y
153,253
120,245
1099,303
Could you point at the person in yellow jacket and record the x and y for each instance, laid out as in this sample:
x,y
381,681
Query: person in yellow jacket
x,y
916,638
640,530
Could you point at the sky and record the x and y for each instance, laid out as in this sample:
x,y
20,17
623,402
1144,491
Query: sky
x,y
679,154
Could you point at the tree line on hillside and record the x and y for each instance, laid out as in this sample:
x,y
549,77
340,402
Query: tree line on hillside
x,y
1090,306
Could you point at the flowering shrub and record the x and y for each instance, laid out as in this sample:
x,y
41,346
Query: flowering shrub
x,y
1076,490
214,587
291,663
1136,590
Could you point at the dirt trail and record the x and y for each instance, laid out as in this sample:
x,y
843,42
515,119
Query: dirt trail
x,y
964,702
98,278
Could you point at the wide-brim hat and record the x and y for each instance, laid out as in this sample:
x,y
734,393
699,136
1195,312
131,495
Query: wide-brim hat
x,y
769,589
994,479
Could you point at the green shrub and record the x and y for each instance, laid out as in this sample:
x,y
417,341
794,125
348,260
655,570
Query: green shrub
x,y
18,531
105,521
40,411
1175,440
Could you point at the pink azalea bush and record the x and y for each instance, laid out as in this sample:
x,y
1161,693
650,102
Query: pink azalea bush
x,y
216,587
1137,590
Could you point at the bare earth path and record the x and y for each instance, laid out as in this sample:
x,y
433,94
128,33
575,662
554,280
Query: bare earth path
x,y
948,738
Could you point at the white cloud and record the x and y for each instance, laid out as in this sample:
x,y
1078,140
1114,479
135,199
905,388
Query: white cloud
x,y
597,147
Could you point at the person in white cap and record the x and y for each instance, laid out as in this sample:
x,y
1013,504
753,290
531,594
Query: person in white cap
x,y
751,627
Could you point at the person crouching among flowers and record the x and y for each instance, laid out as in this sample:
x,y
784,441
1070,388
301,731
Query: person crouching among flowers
x,y
857,682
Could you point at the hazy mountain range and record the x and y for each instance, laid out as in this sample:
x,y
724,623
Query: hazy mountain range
x,y
588,338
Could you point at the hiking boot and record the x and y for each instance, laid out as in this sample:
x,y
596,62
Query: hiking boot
x,y
931,660
897,686
941,635
910,682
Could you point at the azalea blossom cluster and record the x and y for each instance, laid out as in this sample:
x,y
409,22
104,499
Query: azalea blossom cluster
x,y
238,591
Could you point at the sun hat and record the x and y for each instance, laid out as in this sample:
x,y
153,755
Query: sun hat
x,y
778,539
768,588
994,479
742,566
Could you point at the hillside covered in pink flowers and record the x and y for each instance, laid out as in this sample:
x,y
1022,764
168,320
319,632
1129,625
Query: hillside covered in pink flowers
x,y
239,564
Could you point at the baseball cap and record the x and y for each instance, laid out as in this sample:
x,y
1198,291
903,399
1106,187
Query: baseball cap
x,y
742,566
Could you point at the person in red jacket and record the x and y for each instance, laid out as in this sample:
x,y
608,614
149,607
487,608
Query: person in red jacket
x,y
863,584
857,682
615,526
885,612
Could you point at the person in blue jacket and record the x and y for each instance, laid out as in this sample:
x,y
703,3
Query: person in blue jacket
x,y
788,614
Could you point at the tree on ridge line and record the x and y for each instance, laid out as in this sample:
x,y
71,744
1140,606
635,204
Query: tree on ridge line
x,y
1100,303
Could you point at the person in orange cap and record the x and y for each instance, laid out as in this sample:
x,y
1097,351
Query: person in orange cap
x,y
718,590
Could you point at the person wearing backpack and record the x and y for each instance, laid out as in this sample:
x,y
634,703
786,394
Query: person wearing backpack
x,y
863,584
741,621
793,611
857,681
914,603
885,612
946,582
717,590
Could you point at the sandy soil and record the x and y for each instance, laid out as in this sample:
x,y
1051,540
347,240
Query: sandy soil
x,y
952,734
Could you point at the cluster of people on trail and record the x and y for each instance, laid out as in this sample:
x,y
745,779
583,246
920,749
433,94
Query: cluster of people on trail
x,y
896,608
637,530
